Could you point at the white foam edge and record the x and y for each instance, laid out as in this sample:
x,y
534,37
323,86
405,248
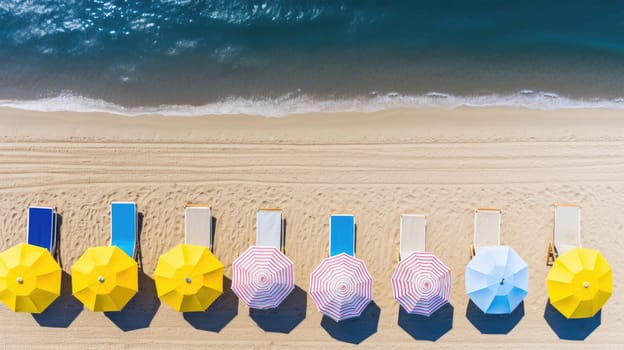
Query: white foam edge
x,y
289,104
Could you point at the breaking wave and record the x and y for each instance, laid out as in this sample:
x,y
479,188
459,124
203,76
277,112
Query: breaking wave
x,y
288,104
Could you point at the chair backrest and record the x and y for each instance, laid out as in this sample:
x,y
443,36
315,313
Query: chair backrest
x,y
41,228
567,227
486,228
198,225
269,228
413,230
341,234
124,225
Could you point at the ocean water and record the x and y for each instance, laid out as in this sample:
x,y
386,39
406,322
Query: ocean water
x,y
289,56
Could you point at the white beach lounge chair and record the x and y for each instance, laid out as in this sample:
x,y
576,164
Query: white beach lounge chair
x,y
413,230
486,229
269,228
198,225
566,231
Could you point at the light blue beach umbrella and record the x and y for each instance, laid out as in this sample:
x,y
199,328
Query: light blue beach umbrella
x,y
497,279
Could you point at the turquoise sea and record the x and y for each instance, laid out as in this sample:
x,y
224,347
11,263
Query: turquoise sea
x,y
288,56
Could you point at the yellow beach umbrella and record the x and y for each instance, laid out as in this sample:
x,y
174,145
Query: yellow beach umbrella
x,y
189,278
105,279
579,283
30,278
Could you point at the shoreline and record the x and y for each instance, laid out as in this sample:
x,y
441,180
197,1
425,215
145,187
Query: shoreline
x,y
439,162
297,103
421,125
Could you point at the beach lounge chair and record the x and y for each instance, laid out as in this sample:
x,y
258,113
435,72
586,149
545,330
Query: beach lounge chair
x,y
41,229
566,231
341,234
412,239
198,225
124,226
486,229
269,228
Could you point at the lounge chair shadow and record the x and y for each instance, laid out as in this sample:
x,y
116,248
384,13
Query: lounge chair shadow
x,y
283,319
355,236
284,223
354,330
213,224
219,314
571,329
141,309
494,324
57,236
64,310
429,328
138,253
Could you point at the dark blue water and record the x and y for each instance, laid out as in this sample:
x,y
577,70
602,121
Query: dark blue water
x,y
154,53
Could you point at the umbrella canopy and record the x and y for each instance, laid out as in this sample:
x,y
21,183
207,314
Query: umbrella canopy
x,y
189,278
421,283
497,279
341,287
262,277
579,283
105,278
30,278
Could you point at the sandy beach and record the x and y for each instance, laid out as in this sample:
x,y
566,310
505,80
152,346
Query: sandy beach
x,y
440,162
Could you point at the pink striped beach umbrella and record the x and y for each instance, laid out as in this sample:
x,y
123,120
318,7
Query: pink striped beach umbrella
x,y
262,277
421,283
341,287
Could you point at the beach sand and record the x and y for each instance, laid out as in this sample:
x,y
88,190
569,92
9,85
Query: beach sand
x,y
440,162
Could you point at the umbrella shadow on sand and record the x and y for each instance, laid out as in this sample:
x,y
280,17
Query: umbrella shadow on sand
x,y
492,323
354,330
429,328
141,309
571,329
284,318
219,314
64,310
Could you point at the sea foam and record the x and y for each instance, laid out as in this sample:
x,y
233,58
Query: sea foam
x,y
301,103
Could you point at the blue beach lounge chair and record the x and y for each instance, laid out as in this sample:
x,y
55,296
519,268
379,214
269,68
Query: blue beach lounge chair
x,y
269,229
341,234
198,225
41,229
124,226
